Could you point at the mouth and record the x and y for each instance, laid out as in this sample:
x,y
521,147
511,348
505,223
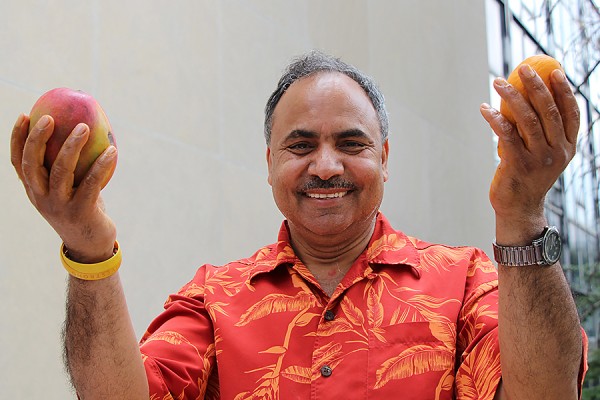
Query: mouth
x,y
334,195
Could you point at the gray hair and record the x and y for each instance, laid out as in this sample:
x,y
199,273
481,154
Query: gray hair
x,y
317,61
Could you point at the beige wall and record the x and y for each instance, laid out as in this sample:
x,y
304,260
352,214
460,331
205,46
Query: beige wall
x,y
184,84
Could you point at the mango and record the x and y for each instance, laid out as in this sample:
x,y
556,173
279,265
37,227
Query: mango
x,y
68,108
544,65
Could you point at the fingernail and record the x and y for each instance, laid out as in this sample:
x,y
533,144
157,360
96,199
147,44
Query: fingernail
x,y
111,150
527,71
79,130
501,82
559,76
485,106
43,122
20,120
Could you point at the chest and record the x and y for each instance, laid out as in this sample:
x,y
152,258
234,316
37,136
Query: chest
x,y
374,341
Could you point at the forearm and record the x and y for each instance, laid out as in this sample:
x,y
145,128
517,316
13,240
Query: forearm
x,y
540,336
101,350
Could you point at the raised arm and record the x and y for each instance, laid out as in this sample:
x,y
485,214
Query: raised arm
x,y
539,329
102,353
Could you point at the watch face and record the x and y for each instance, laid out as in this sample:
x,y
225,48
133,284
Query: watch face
x,y
552,246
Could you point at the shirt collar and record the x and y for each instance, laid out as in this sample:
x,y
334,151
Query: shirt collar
x,y
386,247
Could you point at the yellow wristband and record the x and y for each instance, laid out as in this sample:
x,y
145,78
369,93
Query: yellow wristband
x,y
92,272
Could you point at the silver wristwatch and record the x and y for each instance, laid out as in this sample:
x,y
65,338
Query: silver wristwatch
x,y
542,251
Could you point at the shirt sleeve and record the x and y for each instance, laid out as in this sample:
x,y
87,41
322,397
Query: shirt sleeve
x,y
178,348
478,373
583,368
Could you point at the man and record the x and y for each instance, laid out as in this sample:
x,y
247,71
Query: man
x,y
341,305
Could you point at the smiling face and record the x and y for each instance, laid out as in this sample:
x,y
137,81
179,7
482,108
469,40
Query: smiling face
x,y
327,162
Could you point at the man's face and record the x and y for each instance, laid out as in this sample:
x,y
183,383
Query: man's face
x,y
327,163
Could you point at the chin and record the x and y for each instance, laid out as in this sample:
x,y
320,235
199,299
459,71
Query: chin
x,y
330,224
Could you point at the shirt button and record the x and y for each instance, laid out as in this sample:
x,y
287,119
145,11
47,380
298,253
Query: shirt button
x,y
329,315
326,371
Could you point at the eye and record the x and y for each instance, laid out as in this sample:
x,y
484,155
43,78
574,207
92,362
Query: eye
x,y
352,146
300,147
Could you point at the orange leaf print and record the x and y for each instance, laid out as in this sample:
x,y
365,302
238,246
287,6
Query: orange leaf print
x,y
267,390
474,320
374,306
193,290
261,254
353,313
330,354
173,338
446,384
416,360
435,256
422,307
390,242
478,264
338,325
229,285
306,318
204,380
169,337
275,350
399,315
327,352
286,254
297,374
215,307
165,397
445,333
479,374
276,303
299,282
479,292
379,334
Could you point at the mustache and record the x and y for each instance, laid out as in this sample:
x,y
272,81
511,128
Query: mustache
x,y
332,183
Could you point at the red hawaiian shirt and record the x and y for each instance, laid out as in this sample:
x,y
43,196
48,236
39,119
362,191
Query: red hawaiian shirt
x,y
410,320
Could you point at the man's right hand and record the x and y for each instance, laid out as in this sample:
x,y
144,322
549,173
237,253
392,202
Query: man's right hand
x,y
76,213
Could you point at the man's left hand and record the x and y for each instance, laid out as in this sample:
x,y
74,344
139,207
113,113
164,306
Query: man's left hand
x,y
535,150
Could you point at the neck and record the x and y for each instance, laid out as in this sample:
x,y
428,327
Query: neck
x,y
329,257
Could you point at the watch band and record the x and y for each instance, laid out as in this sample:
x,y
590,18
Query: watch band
x,y
518,256
544,250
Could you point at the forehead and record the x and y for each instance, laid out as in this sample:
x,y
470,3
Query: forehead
x,y
325,101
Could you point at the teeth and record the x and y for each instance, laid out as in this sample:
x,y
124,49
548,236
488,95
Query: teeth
x,y
326,196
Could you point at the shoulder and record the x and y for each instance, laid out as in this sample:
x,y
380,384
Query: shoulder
x,y
448,252
264,259
469,261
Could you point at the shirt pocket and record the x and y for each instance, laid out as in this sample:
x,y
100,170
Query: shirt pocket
x,y
414,358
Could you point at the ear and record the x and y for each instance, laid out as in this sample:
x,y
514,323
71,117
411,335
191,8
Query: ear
x,y
384,159
269,164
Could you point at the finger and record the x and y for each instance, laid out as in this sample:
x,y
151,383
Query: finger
x,y
62,171
567,105
89,189
17,142
510,143
544,105
34,172
527,121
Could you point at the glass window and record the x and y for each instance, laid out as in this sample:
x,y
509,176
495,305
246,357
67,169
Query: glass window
x,y
555,27
494,37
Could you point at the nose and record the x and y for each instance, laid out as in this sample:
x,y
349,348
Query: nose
x,y
326,163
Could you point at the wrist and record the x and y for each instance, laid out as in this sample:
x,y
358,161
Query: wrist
x,y
92,271
519,230
90,253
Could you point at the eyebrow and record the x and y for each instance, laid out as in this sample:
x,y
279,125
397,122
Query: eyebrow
x,y
353,133
350,133
301,133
